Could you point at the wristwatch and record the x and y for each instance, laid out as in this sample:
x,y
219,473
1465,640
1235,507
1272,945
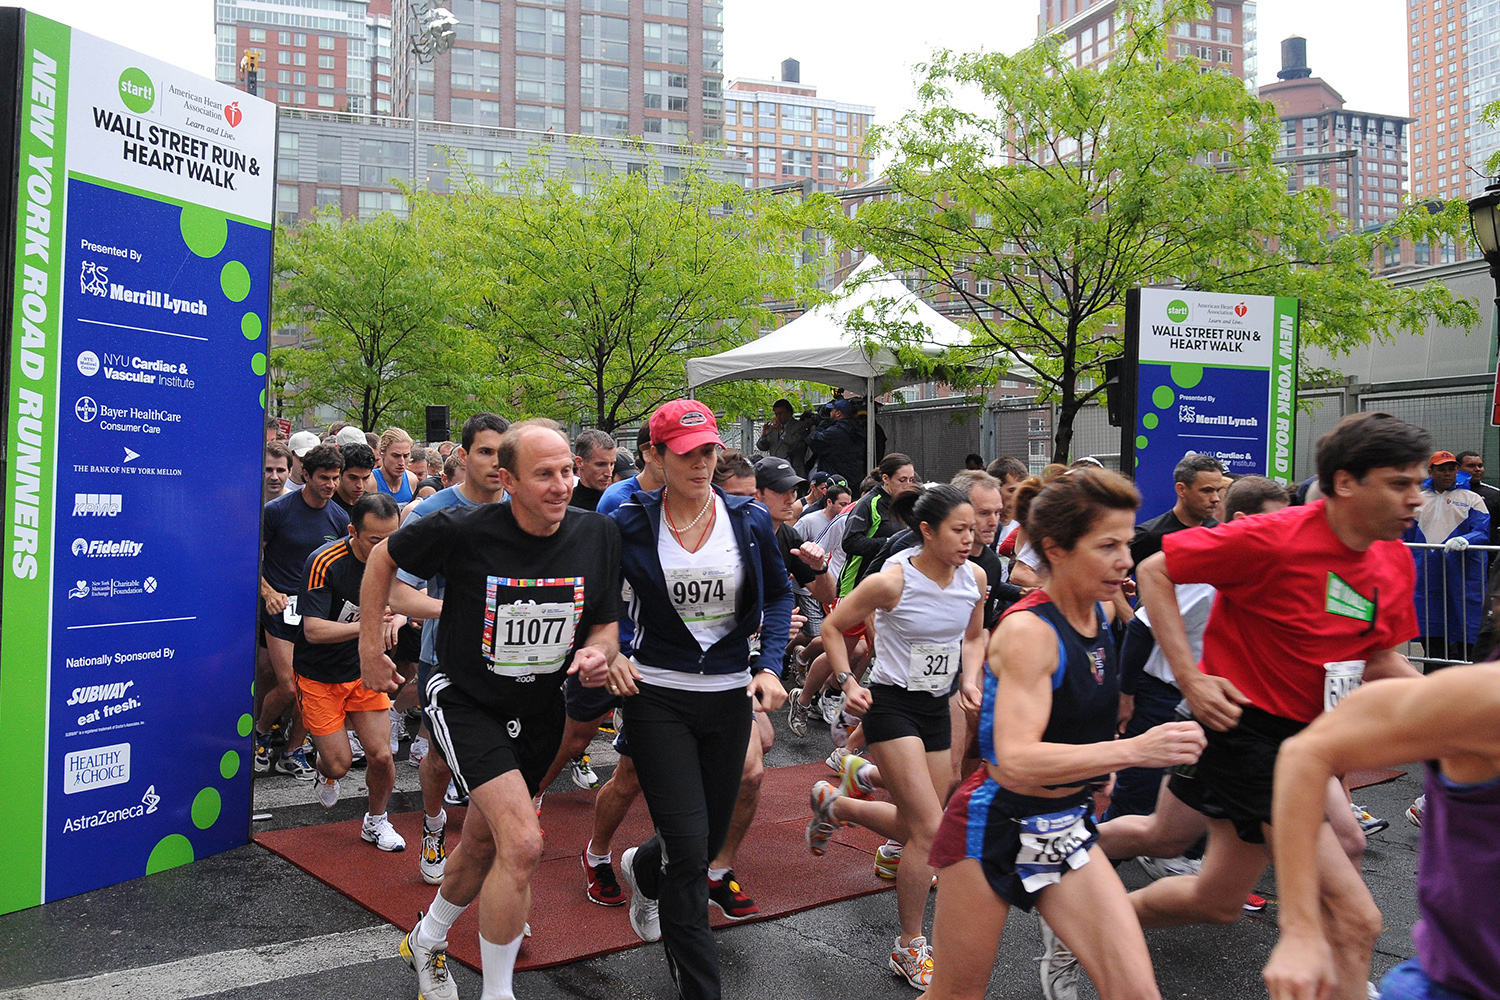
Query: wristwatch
x,y
842,678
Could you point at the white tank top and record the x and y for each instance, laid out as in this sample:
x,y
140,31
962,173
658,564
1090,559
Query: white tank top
x,y
917,644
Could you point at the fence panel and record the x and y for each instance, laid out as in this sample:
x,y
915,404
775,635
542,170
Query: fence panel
x,y
1455,417
936,437
1327,408
1452,645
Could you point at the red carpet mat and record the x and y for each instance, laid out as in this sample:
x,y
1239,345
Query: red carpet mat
x,y
1373,776
774,866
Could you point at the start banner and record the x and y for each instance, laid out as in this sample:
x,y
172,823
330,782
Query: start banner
x,y
1216,374
136,302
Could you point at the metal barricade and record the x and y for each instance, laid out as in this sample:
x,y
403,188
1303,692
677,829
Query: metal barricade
x,y
1434,557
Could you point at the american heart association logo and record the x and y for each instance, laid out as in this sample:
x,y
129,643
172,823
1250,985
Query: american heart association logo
x,y
232,114
1241,309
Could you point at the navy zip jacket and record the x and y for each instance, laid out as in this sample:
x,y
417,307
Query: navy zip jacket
x,y
765,602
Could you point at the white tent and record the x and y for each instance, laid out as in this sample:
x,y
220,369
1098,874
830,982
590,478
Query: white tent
x,y
818,346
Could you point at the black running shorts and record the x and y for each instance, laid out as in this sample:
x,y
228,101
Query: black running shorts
x,y
896,712
1236,769
480,742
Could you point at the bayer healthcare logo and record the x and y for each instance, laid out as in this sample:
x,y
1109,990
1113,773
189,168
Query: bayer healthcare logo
x,y
1177,310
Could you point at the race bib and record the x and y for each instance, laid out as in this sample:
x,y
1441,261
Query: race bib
x,y
932,666
289,613
702,595
349,613
524,638
1340,678
1050,845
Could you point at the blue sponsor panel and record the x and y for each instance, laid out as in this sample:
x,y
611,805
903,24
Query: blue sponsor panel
x,y
160,415
1183,408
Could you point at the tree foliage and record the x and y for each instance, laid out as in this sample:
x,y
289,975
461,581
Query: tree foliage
x,y
593,291
1067,187
376,303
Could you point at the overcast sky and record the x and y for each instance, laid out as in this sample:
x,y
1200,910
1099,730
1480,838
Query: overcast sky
x,y
863,51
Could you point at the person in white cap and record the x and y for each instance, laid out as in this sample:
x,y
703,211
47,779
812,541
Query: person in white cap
x,y
301,443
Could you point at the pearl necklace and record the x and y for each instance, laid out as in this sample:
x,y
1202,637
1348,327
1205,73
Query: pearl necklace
x,y
707,506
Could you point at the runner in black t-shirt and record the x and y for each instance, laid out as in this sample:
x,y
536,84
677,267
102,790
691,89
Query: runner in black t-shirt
x,y
594,459
1199,480
532,593
354,481
326,659
292,526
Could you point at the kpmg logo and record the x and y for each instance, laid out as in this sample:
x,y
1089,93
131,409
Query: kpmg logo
x,y
94,279
97,504
98,548
101,767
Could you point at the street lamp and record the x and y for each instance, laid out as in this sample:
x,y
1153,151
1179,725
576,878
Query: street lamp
x,y
1484,217
432,34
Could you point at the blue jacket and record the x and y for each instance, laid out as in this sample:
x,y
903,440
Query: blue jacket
x,y
839,448
1450,585
661,639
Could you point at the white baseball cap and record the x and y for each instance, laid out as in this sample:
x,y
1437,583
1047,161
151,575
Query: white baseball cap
x,y
303,442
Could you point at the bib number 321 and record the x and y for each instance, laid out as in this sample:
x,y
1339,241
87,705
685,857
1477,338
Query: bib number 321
x,y
932,666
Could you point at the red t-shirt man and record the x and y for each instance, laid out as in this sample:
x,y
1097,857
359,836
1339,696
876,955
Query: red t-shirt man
x,y
1292,598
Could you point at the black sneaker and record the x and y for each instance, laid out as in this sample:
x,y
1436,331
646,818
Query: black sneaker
x,y
730,899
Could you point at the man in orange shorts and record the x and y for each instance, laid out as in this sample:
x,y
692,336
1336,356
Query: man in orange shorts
x,y
326,661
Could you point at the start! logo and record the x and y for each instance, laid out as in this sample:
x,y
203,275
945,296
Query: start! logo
x,y
232,114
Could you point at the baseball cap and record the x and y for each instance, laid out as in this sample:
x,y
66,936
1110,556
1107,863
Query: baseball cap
x,y
302,442
844,406
1438,458
684,424
624,464
349,435
777,475
828,479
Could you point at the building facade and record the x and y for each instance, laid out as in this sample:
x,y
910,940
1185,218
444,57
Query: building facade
x,y
1360,157
1225,39
787,132
319,54
1455,71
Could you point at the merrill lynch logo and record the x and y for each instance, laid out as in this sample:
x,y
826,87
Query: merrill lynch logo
x,y
93,279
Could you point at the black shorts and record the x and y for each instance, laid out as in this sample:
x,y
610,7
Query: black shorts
x,y
981,822
1234,774
585,704
275,626
480,742
896,712
408,644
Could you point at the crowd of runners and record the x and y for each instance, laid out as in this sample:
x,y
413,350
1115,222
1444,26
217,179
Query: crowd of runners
x,y
1023,687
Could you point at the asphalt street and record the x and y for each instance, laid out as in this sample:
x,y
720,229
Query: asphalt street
x,y
248,925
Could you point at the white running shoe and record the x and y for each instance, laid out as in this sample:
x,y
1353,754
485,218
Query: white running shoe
x,y
434,859
327,790
796,713
356,750
829,706
913,962
645,915
398,730
381,834
431,967
419,748
453,797
1059,966
583,772
835,760
1166,867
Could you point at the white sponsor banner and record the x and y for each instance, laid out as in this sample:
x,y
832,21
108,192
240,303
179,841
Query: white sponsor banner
x,y
86,770
1207,328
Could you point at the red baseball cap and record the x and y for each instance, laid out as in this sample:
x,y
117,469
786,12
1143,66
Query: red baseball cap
x,y
684,424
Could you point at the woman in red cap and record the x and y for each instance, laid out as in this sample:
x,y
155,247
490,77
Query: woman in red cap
x,y
705,574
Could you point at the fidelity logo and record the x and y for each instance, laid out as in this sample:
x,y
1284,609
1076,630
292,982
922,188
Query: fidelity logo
x,y
101,767
98,549
104,817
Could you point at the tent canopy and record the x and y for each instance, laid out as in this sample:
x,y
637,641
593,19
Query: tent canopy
x,y
818,346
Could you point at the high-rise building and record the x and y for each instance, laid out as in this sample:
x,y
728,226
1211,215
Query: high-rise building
x,y
1358,156
1226,38
787,132
650,68
1455,72
313,53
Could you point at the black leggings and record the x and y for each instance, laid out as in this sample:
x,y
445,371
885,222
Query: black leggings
x,y
689,752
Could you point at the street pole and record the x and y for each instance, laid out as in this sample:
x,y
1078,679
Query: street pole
x,y
416,105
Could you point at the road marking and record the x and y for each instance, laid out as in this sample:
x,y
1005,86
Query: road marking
x,y
204,975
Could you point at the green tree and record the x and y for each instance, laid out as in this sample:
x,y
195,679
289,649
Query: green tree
x,y
594,290
377,306
1067,187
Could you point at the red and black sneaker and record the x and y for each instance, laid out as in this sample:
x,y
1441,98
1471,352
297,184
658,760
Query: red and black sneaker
x,y
1254,903
603,887
729,898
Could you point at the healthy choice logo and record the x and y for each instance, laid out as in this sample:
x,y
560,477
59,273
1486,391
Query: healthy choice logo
x,y
137,91
1177,310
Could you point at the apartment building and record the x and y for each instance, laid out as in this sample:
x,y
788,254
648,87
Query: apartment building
x,y
787,132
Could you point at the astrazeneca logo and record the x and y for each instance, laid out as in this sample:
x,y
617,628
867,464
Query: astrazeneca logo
x,y
97,504
101,767
101,548
104,817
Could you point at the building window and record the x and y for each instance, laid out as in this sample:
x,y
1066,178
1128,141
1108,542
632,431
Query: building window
x,y
605,38
325,42
604,86
1225,15
325,62
284,37
382,161
325,80
287,201
257,34
539,30
372,203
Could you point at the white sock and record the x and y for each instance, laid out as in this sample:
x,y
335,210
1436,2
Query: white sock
x,y
717,874
498,963
596,859
432,824
441,915
372,819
